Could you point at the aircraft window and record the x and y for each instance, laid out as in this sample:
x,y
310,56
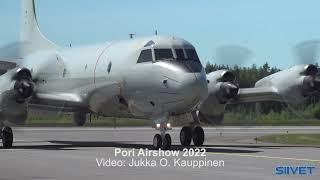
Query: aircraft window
x,y
145,56
192,55
163,54
109,67
180,54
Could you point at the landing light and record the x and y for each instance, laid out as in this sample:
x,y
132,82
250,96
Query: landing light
x,y
165,126
168,125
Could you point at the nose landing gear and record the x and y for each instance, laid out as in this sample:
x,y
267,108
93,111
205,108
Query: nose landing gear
x,y
162,140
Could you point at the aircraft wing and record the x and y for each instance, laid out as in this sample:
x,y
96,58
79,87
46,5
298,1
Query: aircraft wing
x,y
57,101
256,94
83,98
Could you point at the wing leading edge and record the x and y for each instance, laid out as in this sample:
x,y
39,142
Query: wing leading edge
x,y
246,95
91,99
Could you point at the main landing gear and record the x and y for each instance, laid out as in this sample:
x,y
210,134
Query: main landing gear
x,y
6,135
162,140
193,132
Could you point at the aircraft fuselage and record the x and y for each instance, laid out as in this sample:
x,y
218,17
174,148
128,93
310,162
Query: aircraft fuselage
x,y
148,89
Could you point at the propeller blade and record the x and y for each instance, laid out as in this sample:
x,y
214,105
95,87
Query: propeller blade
x,y
306,52
233,55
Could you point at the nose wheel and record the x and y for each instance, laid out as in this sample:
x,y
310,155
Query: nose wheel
x,y
7,137
166,144
157,141
162,140
189,133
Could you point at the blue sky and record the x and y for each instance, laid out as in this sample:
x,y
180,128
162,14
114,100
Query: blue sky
x,y
270,28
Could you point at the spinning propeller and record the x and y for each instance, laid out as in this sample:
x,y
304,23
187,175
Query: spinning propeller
x,y
233,55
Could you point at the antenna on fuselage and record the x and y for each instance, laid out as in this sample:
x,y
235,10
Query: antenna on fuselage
x,y
131,35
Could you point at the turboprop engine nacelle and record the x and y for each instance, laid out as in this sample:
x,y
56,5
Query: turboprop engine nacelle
x,y
294,84
17,86
221,87
23,85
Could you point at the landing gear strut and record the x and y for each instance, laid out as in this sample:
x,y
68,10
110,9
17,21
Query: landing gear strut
x,y
79,118
7,137
162,140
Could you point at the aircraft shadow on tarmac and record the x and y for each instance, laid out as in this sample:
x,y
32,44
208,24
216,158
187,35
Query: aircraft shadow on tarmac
x,y
228,148
74,145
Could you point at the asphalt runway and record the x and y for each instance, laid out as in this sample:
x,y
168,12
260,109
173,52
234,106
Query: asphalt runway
x,y
75,153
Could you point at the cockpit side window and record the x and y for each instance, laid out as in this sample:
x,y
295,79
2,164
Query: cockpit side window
x,y
180,55
163,54
192,55
145,56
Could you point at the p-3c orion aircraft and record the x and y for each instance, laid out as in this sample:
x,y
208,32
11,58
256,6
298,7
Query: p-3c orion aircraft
x,y
153,77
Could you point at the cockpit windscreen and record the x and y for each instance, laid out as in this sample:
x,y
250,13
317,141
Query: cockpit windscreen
x,y
180,55
192,55
163,54
187,59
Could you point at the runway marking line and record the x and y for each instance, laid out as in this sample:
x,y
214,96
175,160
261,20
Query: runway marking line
x,y
267,157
